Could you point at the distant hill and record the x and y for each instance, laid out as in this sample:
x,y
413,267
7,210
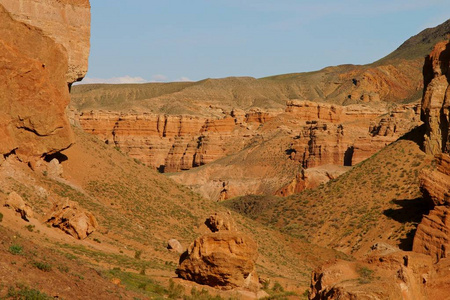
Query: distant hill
x,y
394,78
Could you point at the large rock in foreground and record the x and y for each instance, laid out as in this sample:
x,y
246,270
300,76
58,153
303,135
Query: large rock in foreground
x,y
223,260
67,22
33,91
71,218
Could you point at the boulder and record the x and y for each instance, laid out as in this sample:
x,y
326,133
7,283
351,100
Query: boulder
x,y
218,222
16,202
54,168
72,219
175,245
224,260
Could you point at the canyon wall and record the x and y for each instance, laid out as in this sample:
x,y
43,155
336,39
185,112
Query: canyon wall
x,y
34,73
256,151
432,235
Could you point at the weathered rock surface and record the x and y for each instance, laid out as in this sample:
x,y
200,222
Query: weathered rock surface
x,y
71,218
432,236
15,202
217,222
392,274
34,40
328,134
223,259
67,22
311,178
436,100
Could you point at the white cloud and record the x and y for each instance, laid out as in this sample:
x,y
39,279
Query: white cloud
x,y
183,78
113,80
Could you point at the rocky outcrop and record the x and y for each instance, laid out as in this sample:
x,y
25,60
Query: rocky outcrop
x,y
67,22
72,219
436,100
15,202
351,136
34,73
432,236
172,143
224,259
311,178
383,274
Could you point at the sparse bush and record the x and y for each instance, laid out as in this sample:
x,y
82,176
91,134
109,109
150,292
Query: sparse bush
x,y
25,293
16,249
30,228
365,275
43,266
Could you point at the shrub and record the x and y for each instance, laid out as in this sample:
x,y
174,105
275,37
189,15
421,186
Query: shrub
x,y
16,249
26,293
43,266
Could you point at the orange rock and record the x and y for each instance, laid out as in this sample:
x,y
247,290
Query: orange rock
x,y
72,219
16,202
223,260
67,22
432,236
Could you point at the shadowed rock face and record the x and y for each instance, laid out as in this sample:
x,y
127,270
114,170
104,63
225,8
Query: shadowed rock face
x,y
34,75
432,235
436,100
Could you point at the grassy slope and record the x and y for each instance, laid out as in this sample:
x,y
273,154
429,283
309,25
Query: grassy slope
x,y
138,211
378,200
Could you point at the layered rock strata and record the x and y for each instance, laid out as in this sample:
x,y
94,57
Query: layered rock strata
x,y
175,143
34,73
432,236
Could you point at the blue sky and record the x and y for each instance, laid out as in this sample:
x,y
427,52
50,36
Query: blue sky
x,y
176,40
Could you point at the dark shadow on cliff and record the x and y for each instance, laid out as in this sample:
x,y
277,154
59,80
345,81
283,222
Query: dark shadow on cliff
x,y
416,135
410,211
58,155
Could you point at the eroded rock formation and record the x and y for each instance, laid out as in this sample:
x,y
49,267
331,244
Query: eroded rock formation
x,y
246,146
223,259
432,236
71,218
385,274
34,73
16,203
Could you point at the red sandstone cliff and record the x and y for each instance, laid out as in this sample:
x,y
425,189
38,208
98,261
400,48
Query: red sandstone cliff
x,y
35,70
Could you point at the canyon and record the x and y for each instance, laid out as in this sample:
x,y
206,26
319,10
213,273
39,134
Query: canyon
x,y
305,135
332,184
